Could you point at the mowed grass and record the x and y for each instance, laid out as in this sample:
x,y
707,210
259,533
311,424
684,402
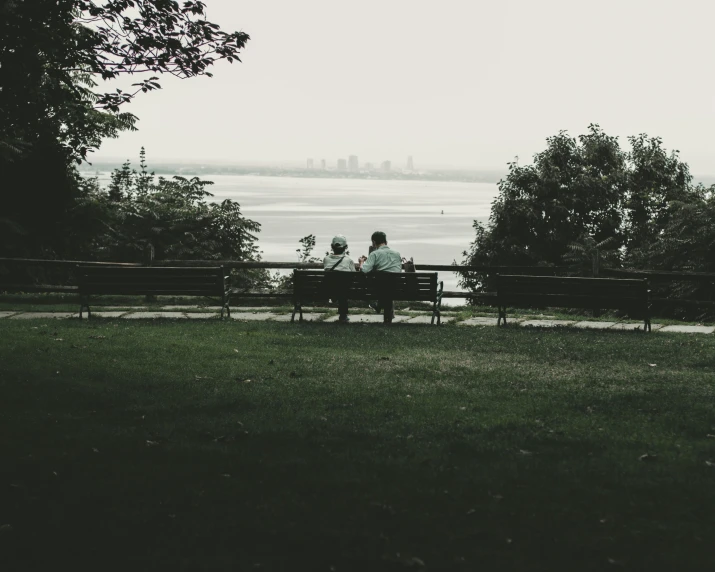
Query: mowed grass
x,y
164,445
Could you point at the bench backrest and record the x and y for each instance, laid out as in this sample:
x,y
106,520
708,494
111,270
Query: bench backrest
x,y
413,286
572,292
199,281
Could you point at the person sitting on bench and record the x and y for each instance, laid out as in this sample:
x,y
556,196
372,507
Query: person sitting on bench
x,y
338,261
382,259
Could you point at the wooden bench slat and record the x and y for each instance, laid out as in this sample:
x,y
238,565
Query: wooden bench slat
x,y
590,293
212,281
411,286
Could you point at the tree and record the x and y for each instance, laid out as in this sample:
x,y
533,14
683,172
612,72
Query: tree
x,y
53,54
655,179
573,189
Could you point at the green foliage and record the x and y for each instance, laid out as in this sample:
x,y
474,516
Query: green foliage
x,y
174,217
53,52
583,200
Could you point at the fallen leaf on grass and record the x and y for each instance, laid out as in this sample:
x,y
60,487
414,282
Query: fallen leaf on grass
x,y
235,350
710,463
58,339
647,457
525,452
709,436
152,443
652,364
199,377
98,337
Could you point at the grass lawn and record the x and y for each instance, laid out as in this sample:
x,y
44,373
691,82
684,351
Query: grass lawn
x,y
165,445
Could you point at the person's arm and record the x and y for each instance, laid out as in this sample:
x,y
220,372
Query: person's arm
x,y
369,263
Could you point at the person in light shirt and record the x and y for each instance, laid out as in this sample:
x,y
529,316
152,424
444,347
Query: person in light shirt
x,y
338,261
382,259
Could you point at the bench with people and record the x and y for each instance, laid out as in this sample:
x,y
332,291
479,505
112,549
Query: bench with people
x,y
376,278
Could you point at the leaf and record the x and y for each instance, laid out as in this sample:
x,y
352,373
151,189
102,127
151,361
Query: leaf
x,y
525,452
647,457
652,364
710,463
152,443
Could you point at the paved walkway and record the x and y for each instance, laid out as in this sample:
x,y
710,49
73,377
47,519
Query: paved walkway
x,y
318,315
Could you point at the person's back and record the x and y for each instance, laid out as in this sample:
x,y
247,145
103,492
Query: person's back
x,y
338,261
382,259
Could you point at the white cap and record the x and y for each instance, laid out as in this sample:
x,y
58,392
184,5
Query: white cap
x,y
339,240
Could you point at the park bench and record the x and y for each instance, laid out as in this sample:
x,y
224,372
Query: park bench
x,y
631,296
161,280
407,286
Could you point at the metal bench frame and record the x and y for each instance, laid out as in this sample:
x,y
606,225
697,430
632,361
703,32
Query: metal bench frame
x,y
564,292
209,281
400,286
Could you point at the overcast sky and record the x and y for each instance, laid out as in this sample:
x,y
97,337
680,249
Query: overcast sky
x,y
468,83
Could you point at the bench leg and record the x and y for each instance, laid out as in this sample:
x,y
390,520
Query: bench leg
x,y
225,305
437,308
297,307
84,303
502,316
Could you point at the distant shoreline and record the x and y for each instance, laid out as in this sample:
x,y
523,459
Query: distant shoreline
x,y
184,170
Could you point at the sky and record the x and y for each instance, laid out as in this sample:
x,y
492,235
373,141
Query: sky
x,y
455,83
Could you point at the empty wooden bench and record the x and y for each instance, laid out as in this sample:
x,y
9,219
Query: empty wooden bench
x,y
311,285
212,282
631,296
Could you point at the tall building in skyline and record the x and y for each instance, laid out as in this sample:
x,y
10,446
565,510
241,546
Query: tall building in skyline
x,y
353,164
322,164
342,165
310,164
386,166
410,164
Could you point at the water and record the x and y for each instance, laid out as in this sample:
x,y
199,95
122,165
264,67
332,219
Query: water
x,y
409,212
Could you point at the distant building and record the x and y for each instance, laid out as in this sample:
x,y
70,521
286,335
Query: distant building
x,y
410,164
322,164
386,166
310,164
353,164
342,165
369,166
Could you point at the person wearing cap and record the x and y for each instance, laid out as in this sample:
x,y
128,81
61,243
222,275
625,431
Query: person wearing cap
x,y
338,261
382,259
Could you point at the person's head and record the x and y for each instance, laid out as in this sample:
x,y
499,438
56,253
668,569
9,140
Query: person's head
x,y
378,238
339,244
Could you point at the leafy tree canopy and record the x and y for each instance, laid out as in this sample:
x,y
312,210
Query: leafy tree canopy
x,y
580,195
53,53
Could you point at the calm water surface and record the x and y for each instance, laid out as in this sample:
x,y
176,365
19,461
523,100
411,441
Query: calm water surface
x,y
409,212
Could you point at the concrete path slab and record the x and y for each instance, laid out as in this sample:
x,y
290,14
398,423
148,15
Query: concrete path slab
x,y
107,314
594,325
630,326
253,317
428,319
179,308
117,308
478,321
202,315
368,319
154,315
6,314
43,315
309,317
688,329
546,323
